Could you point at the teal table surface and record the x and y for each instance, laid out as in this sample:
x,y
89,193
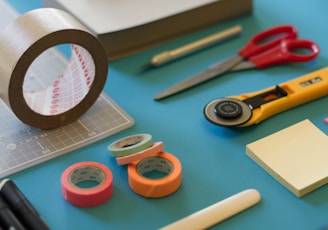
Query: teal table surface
x,y
213,158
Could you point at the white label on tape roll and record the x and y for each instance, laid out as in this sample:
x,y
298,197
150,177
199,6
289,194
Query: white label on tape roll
x,y
74,91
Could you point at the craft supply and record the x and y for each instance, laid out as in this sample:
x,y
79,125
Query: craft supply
x,y
24,210
252,108
218,212
274,46
148,152
71,94
155,188
295,156
145,158
7,217
103,119
86,172
168,56
130,145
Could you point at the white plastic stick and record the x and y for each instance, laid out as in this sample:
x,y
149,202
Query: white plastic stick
x,y
217,212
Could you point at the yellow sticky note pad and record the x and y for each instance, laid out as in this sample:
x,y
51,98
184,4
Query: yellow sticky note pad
x,y
296,156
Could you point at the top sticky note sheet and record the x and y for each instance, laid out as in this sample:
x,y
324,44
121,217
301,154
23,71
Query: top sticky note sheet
x,y
296,156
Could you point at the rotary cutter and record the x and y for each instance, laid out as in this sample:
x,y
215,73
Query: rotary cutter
x,y
252,108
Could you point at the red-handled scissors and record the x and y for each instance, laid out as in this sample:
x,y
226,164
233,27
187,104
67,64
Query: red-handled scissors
x,y
274,46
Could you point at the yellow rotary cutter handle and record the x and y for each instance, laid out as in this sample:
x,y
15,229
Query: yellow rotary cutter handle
x,y
252,108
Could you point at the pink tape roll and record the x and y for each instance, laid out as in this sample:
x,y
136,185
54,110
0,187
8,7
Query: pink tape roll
x,y
87,171
151,151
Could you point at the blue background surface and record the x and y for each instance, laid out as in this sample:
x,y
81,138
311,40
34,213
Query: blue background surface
x,y
214,162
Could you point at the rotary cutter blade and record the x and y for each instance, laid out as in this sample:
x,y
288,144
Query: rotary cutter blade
x,y
252,108
227,112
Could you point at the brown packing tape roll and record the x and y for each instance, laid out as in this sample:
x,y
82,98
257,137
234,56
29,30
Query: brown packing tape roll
x,y
78,87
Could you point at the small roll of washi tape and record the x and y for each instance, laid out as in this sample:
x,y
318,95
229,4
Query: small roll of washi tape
x,y
78,173
151,151
158,187
131,144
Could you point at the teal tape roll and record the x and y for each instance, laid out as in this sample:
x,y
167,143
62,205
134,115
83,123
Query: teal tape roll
x,y
129,145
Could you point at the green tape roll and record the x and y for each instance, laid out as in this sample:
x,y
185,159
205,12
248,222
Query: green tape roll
x,y
129,145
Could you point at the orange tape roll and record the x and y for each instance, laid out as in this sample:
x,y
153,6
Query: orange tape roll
x,y
159,187
87,172
149,152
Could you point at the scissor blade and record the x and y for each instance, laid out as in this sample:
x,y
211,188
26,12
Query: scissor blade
x,y
243,66
212,72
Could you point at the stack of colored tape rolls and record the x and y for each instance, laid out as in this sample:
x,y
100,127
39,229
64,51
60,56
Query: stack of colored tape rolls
x,y
143,156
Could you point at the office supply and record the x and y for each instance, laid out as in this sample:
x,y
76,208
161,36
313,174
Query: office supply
x,y
24,210
213,158
153,150
84,172
168,56
270,47
74,91
145,158
7,218
104,118
165,163
252,108
131,144
125,27
295,156
217,212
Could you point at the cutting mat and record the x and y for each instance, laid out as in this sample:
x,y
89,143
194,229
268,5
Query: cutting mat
x,y
22,146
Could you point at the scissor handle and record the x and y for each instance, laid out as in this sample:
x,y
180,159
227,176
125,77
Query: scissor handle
x,y
267,39
286,52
